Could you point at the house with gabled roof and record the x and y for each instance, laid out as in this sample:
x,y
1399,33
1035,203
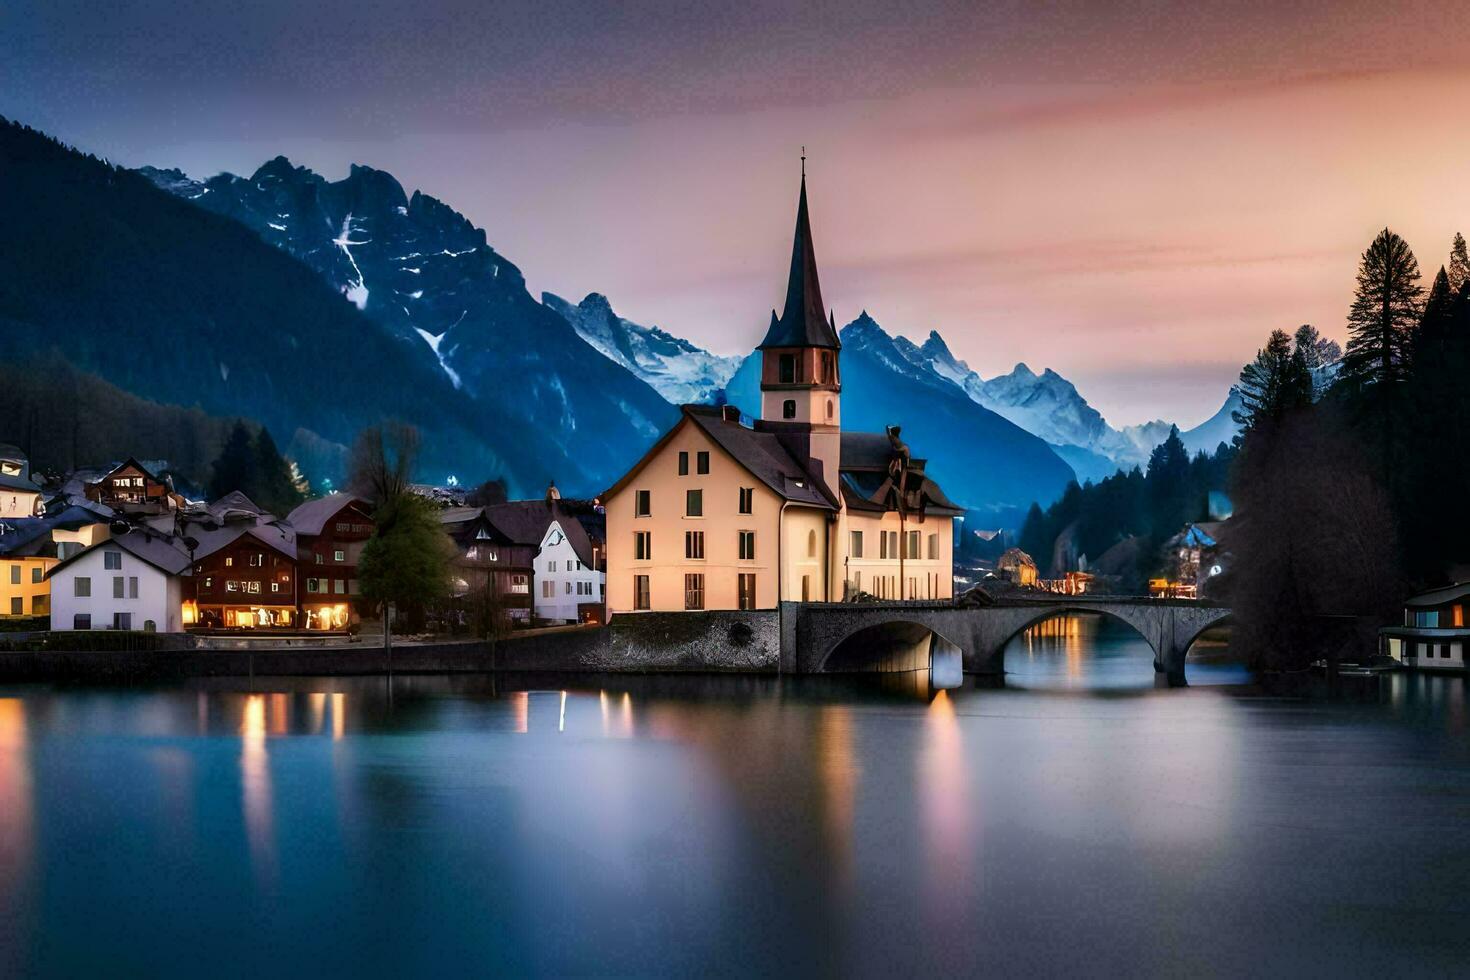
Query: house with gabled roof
x,y
722,513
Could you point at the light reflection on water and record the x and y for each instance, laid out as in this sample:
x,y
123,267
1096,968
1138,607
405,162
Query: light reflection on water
x,y
640,825
1092,652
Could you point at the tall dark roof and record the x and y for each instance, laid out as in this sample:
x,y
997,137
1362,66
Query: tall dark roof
x,y
804,321
309,518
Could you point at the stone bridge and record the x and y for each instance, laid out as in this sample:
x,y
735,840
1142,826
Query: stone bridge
x,y
821,638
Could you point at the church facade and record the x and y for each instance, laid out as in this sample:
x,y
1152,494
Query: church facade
x,y
721,514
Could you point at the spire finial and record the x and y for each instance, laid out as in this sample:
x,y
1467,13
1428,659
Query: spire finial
x,y
803,163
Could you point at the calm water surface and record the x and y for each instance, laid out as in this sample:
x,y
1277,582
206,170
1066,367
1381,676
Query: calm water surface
x,y
1080,820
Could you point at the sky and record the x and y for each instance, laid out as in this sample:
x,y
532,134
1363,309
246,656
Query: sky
x,y
1132,194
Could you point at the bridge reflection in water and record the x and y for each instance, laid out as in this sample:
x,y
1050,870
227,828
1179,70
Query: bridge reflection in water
x,y
1083,651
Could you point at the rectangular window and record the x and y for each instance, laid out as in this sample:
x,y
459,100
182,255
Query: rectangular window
x,y
122,621
747,591
230,562
892,544
38,574
913,543
1458,615
786,369
257,560
81,621
644,505
694,503
933,547
551,566
683,464
641,597
694,545
883,544
694,591
112,560
806,588
311,585
788,409
339,556
117,586
701,463
747,546
856,548
81,586
339,586
39,604
132,586
643,545
275,586
14,574
569,588
747,500
17,606
231,585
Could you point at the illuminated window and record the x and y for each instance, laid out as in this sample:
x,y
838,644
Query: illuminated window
x,y
1457,615
339,556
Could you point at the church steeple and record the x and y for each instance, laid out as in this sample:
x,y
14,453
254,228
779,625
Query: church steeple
x,y
803,321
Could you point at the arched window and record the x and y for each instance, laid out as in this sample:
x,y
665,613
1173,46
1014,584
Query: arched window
x,y
829,408
811,544
788,409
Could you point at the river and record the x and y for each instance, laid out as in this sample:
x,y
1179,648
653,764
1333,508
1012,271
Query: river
x,y
1083,819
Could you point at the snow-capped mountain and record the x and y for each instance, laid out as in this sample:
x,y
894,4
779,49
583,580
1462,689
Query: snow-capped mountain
x,y
428,276
1049,406
683,373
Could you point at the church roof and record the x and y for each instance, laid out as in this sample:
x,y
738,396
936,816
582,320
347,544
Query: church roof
x,y
804,322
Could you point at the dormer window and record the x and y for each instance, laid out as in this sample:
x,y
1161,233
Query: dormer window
x,y
786,368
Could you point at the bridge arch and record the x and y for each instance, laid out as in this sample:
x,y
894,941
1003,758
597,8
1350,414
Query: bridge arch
x,y
1169,630
894,645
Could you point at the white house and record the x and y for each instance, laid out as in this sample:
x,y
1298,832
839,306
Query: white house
x,y
569,586
131,582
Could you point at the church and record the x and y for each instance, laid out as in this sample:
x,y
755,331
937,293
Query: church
x,y
726,514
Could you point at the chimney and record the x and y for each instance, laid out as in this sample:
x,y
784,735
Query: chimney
x,y
730,413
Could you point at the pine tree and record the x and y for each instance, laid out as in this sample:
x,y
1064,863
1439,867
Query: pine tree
x,y
1438,319
1459,271
271,485
235,466
1384,313
1279,380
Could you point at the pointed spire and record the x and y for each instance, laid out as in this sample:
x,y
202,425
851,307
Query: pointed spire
x,y
801,323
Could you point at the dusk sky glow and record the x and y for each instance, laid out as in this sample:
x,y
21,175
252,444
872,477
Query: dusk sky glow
x,y
1132,194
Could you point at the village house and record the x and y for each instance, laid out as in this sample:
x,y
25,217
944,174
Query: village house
x,y
488,559
131,489
20,496
1433,635
719,514
31,547
132,581
244,568
1017,567
330,534
567,539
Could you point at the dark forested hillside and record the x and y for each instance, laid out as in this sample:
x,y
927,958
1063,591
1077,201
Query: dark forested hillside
x,y
65,418
185,307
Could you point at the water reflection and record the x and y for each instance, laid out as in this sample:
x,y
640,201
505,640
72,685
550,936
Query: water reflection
x,y
641,825
1090,652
